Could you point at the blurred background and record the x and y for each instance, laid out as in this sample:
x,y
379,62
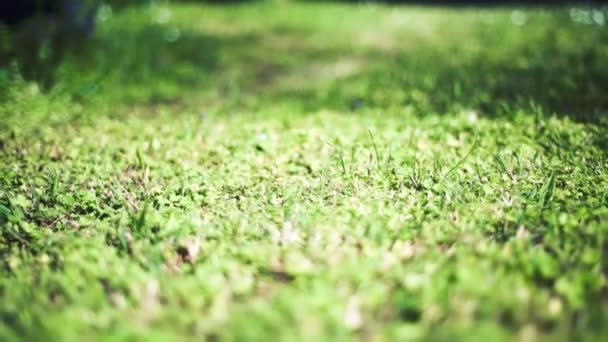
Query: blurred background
x,y
429,56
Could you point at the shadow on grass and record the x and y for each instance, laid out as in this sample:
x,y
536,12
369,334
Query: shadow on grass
x,y
531,77
155,64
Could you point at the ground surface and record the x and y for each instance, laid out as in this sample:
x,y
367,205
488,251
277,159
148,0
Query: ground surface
x,y
311,171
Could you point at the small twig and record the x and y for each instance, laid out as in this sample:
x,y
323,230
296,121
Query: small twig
x,y
128,196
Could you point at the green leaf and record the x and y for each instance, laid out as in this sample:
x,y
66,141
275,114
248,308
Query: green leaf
x,y
546,191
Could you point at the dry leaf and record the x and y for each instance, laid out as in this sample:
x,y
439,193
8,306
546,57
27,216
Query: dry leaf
x,y
352,314
190,250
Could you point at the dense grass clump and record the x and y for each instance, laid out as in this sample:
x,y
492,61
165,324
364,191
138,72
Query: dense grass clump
x,y
311,171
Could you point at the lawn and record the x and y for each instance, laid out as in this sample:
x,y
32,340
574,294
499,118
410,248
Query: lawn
x,y
309,171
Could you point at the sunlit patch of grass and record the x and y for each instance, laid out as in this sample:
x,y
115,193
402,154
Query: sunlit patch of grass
x,y
245,177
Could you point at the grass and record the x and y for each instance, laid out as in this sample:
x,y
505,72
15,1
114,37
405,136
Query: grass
x,y
311,171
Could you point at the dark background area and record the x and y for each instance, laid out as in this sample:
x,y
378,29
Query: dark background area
x,y
13,12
